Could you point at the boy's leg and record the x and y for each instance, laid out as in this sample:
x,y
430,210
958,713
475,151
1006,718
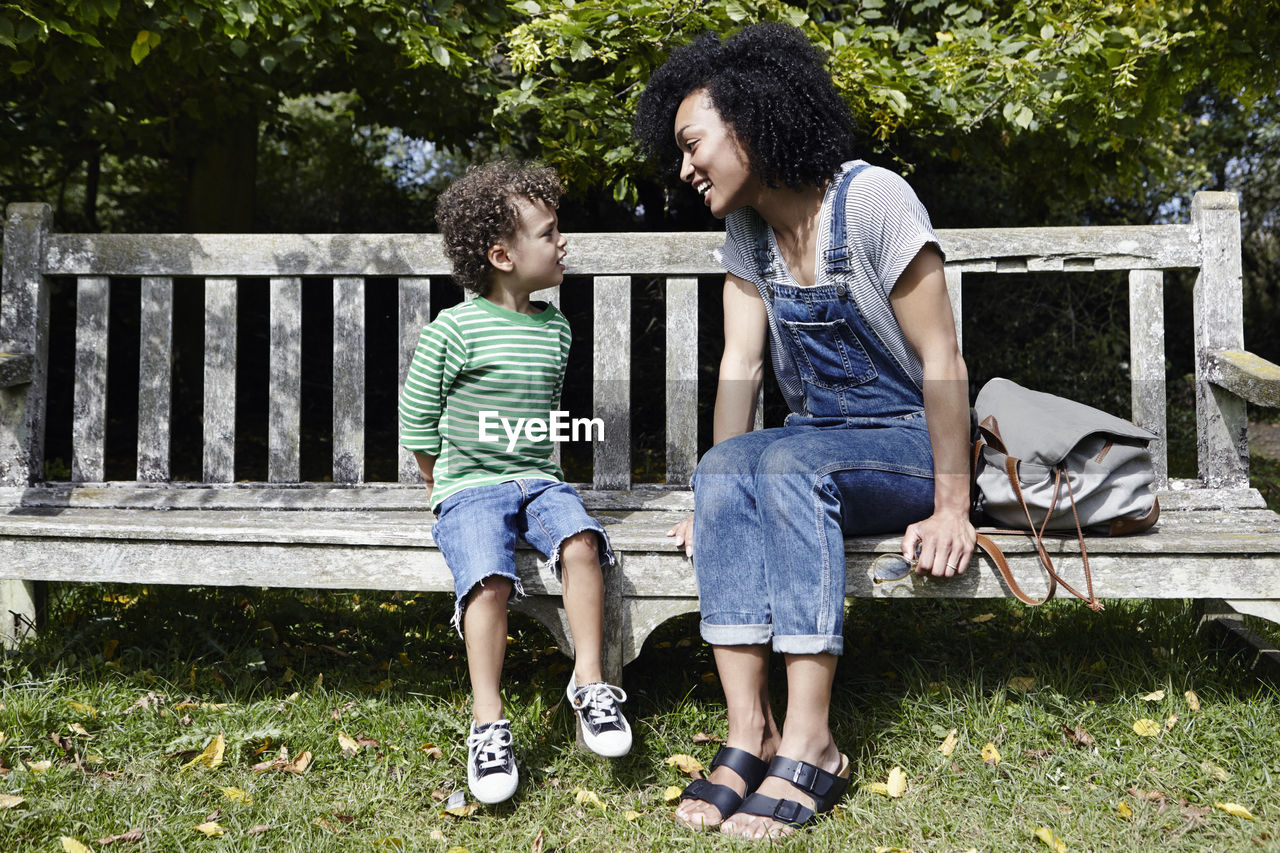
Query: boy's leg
x,y
484,630
582,586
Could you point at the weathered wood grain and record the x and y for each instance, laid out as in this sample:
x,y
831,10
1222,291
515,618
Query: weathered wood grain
x,y
24,329
348,379
1218,300
1248,376
284,390
682,379
414,300
658,253
219,464
155,378
1146,363
89,406
15,368
611,383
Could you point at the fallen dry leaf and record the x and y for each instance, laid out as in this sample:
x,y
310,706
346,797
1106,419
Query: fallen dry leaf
x,y
210,829
897,784
891,850
301,763
348,743
703,737
1022,683
672,793
258,829
76,728
432,750
465,810
630,814
990,754
1146,728
948,744
212,755
82,708
70,845
1122,809
1171,722
436,835
685,763
1235,809
1050,840
133,836
11,801
1215,771
39,766
1193,701
1153,697
583,797
1139,794
439,796
237,795
984,617
1078,736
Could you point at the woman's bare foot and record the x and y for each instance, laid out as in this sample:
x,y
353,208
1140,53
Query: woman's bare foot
x,y
701,815
828,757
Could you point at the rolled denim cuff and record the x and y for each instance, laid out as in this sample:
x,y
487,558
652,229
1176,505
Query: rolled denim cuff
x,y
736,635
808,644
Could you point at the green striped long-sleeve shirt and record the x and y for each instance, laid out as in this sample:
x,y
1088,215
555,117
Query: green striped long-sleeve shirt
x,y
477,364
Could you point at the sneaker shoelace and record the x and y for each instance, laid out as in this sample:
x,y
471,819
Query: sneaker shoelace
x,y
600,701
492,747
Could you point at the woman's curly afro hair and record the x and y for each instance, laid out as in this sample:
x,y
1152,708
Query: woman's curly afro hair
x,y
769,84
479,210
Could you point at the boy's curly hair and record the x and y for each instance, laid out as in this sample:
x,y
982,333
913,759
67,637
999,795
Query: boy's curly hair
x,y
479,210
769,84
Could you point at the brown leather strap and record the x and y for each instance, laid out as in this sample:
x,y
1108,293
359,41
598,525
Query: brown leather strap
x,y
997,557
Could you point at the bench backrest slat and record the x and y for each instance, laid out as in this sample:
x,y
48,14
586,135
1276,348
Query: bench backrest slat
x,y
414,300
155,378
1146,363
284,392
218,465
89,410
611,389
682,379
348,379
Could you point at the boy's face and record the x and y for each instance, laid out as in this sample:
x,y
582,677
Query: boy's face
x,y
537,249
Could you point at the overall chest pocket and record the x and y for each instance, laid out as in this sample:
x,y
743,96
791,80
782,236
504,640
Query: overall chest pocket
x,y
828,354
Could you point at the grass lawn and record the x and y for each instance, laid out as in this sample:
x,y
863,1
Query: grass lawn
x,y
103,715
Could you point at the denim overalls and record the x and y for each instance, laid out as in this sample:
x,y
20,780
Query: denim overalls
x,y
772,507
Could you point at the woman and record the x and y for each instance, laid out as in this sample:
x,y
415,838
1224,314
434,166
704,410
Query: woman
x,y
836,264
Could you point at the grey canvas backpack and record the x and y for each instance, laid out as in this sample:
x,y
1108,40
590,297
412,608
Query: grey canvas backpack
x,y
1044,464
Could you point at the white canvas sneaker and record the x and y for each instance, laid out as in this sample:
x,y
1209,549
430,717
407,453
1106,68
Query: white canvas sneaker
x,y
604,729
491,765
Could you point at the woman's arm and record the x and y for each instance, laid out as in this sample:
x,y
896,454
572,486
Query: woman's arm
x,y
919,298
741,372
742,363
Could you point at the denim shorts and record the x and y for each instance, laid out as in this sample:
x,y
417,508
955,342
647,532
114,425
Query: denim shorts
x,y
476,530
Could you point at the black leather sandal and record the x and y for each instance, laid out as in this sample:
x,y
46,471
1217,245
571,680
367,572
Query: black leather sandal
x,y
825,788
750,768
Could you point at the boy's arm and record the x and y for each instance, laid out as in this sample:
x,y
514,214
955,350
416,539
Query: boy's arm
x,y
427,465
431,372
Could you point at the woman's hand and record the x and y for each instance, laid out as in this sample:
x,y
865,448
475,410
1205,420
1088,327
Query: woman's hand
x,y
683,533
944,542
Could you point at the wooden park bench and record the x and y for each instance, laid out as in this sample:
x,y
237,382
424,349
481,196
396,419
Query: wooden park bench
x,y
1215,540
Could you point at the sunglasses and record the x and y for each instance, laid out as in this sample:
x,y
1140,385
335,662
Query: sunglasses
x,y
886,568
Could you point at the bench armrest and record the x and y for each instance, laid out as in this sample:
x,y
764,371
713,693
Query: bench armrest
x,y
1248,376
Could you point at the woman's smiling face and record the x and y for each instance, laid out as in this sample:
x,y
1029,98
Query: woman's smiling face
x,y
713,162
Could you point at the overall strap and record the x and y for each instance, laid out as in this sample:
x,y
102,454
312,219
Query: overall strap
x,y
837,253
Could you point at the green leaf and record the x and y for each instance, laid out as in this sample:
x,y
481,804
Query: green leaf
x,y
440,55
580,51
736,12
239,47
141,47
268,62
21,67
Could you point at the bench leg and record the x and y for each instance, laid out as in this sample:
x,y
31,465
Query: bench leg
x,y
1228,621
17,611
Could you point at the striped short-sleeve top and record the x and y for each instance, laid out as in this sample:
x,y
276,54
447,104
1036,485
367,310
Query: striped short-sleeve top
x,y
887,226
475,365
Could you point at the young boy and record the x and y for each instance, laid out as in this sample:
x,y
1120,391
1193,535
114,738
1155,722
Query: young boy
x,y
479,366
